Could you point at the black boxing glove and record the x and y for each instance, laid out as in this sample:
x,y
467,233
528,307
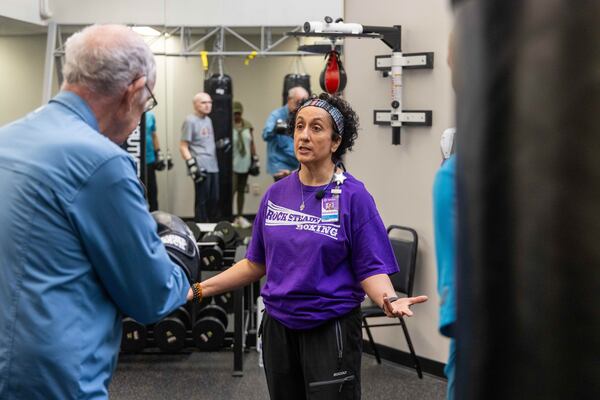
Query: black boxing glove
x,y
198,174
180,243
254,166
281,127
160,163
169,161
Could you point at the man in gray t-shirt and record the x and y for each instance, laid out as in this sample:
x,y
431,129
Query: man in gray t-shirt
x,y
198,150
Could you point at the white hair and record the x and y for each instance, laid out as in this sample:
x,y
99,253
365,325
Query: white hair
x,y
107,58
298,90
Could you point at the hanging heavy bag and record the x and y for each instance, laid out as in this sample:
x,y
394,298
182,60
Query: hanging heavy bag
x,y
220,89
333,77
293,80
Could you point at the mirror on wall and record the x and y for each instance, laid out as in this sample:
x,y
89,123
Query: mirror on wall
x,y
219,60
253,82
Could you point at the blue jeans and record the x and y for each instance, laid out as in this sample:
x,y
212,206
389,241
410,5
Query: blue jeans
x,y
450,369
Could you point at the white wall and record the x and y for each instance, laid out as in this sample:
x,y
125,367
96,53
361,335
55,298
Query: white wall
x,y
401,177
194,12
22,10
21,75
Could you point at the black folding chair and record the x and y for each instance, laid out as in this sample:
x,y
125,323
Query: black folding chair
x,y
406,255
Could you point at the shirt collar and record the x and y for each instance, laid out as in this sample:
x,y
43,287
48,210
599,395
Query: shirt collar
x,y
77,105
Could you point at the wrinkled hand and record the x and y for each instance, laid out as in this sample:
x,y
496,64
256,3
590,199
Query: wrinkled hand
x,y
401,306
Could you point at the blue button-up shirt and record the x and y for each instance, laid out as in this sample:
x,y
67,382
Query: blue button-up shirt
x,y
78,249
280,148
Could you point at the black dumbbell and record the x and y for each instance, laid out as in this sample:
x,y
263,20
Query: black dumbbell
x,y
230,235
211,251
225,301
170,333
195,230
134,336
209,329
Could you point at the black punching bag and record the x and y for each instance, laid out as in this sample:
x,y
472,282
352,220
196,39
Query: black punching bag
x,y
528,176
219,87
293,80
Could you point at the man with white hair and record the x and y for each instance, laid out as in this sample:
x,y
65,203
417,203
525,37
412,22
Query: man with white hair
x,y
78,247
281,159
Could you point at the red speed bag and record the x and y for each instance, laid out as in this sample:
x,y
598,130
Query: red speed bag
x,y
333,77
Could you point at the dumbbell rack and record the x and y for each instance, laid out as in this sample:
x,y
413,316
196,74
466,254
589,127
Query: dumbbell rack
x,y
244,331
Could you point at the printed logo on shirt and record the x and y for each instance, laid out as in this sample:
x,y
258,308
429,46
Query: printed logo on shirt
x,y
281,216
204,132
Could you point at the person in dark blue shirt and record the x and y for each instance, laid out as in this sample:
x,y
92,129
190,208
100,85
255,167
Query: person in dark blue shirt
x,y
78,247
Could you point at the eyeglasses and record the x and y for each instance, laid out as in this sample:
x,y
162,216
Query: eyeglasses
x,y
151,102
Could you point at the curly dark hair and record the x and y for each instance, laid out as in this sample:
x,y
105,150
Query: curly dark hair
x,y
350,124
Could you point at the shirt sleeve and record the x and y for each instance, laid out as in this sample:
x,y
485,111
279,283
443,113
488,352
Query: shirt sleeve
x,y
256,248
187,131
120,239
151,122
372,252
268,133
444,218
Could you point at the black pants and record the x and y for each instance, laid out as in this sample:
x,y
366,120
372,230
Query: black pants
x,y
320,363
207,198
239,187
151,188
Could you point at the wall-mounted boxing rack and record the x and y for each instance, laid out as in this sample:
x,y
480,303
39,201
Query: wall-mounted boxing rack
x,y
390,65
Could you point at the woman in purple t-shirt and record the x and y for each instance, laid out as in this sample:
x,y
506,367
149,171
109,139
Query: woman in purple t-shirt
x,y
321,243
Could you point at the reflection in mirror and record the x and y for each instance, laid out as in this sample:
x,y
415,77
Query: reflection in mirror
x,y
158,158
257,83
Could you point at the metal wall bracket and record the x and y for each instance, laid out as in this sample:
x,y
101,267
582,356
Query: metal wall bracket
x,y
409,61
406,118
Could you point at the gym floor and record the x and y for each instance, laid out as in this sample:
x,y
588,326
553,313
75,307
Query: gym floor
x,y
208,376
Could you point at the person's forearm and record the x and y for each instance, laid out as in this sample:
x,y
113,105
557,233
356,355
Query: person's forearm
x,y
184,150
241,274
376,286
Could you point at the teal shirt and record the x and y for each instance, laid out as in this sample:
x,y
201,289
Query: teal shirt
x,y
78,249
444,216
150,129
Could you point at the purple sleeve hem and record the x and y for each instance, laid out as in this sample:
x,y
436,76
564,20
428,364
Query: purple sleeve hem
x,y
387,271
254,258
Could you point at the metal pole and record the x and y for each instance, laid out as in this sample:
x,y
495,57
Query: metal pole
x,y
49,63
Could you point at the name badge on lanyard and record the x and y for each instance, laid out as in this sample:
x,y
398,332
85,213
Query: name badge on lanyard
x,y
330,209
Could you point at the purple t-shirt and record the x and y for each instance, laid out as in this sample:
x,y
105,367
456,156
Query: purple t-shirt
x,y
314,268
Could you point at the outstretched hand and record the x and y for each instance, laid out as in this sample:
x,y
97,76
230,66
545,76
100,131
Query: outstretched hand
x,y
401,306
